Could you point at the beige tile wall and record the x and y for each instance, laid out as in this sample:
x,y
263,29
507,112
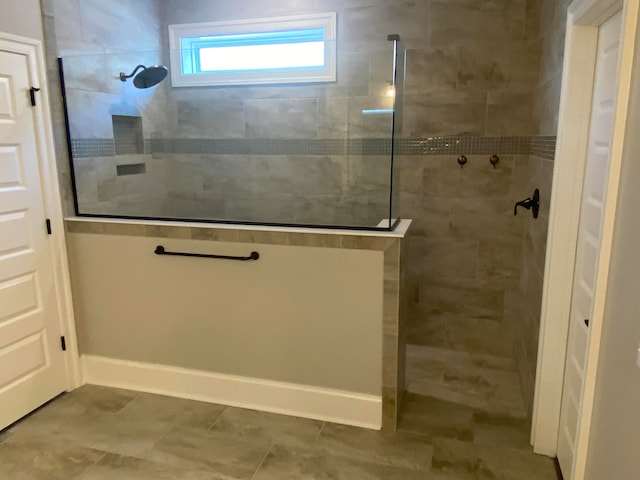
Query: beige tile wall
x,y
464,253
473,68
539,174
100,32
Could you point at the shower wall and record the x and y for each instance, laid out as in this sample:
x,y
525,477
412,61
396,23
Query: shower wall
x,y
472,88
292,154
472,72
467,91
102,31
539,174
259,162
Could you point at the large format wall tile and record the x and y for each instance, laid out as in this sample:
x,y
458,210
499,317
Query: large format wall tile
x,y
112,24
538,173
498,260
469,21
462,334
509,113
433,69
372,23
444,178
455,258
465,248
211,119
455,113
332,117
374,125
470,299
545,109
287,118
498,66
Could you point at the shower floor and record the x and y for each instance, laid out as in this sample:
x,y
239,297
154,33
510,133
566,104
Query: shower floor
x,y
463,386
97,433
469,379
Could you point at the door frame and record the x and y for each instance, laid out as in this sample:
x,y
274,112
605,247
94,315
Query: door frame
x,y
581,41
34,52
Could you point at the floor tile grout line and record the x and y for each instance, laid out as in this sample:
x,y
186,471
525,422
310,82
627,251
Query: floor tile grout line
x,y
86,470
224,410
172,426
319,433
135,397
263,460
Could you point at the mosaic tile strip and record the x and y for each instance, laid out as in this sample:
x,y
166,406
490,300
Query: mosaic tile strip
x,y
356,146
544,147
92,147
513,145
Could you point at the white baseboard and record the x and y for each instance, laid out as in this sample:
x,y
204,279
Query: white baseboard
x,y
324,404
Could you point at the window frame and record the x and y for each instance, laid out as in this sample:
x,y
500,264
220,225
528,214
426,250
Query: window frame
x,y
327,21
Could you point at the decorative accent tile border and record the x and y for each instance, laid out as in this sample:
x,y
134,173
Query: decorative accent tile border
x,y
92,147
454,145
357,146
513,145
544,147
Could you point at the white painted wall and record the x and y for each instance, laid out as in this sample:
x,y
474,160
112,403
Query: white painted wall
x,y
615,434
21,17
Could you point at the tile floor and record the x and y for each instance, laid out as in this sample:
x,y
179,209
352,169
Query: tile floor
x,y
468,378
97,433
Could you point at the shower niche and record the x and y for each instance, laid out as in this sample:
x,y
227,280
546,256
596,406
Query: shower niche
x,y
128,137
314,155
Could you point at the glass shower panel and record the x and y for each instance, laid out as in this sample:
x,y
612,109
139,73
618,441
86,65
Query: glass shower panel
x,y
300,154
399,73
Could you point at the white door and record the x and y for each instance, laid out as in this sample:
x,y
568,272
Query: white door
x,y
32,369
589,235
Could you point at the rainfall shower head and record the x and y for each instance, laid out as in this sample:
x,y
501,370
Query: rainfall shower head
x,y
148,77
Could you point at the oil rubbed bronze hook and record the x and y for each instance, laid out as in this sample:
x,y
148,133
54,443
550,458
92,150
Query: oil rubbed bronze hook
x,y
531,203
462,161
493,160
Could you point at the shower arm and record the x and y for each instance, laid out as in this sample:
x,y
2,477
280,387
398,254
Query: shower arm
x,y
124,77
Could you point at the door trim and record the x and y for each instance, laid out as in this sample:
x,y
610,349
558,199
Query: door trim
x,y
581,40
34,52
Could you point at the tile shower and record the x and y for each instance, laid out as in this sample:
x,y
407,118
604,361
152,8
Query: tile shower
x,y
302,155
467,92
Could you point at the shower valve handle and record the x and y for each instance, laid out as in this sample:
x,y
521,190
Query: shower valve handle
x,y
531,203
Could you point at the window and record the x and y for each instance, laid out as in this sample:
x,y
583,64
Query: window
x,y
291,49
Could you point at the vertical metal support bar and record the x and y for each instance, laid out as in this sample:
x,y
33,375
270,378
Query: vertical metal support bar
x,y
395,38
65,110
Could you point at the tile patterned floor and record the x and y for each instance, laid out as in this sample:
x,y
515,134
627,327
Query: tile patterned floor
x,y
474,379
97,433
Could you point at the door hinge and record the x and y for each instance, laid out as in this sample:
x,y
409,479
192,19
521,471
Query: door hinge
x,y
63,344
32,94
48,222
